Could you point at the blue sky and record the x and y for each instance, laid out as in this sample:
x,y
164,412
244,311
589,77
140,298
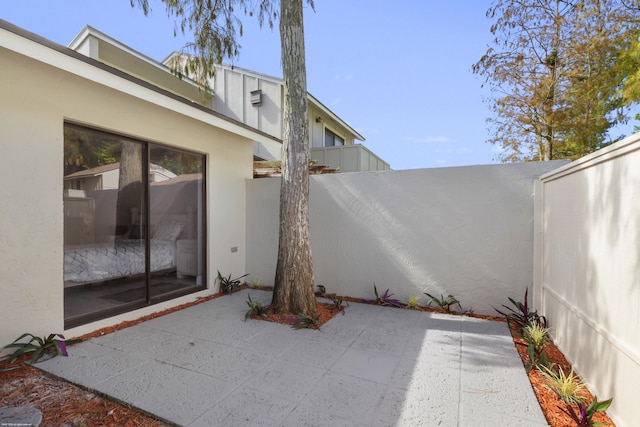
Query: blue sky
x,y
399,74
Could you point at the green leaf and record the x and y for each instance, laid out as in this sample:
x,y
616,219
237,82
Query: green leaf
x,y
596,406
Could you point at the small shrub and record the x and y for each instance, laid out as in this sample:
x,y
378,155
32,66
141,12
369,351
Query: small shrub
x,y
443,303
53,344
255,308
307,322
228,284
522,315
568,388
413,302
257,283
536,337
337,303
385,299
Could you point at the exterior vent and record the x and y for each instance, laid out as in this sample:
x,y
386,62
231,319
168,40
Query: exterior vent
x,y
256,98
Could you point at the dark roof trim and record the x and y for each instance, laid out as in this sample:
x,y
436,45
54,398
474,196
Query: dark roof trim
x,y
5,25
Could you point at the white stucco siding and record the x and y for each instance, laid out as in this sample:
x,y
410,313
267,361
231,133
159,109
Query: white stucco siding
x,y
464,231
36,100
30,248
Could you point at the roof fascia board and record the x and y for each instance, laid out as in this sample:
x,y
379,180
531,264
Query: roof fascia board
x,y
42,50
271,79
331,114
89,31
280,81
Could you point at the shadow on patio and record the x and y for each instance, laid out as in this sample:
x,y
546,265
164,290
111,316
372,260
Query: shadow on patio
x,y
374,366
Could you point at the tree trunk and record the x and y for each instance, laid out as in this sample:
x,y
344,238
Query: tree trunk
x,y
129,184
294,288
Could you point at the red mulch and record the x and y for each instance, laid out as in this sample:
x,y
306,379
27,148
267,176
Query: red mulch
x,y
324,311
549,401
64,404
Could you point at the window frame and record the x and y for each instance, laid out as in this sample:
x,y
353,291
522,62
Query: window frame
x,y
333,134
200,230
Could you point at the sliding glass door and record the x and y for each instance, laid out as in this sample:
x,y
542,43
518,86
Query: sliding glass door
x,y
133,223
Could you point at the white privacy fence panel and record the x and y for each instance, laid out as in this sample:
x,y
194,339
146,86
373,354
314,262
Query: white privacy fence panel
x,y
464,231
586,278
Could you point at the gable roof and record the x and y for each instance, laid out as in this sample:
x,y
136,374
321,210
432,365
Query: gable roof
x,y
33,46
312,99
142,66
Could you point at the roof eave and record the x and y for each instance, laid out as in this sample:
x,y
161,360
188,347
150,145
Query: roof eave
x,y
331,114
144,89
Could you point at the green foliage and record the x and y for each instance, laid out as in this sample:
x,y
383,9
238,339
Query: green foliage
x,y
445,304
536,334
556,75
568,388
86,149
228,284
413,302
307,322
584,417
256,283
337,302
256,309
53,344
522,315
536,337
216,28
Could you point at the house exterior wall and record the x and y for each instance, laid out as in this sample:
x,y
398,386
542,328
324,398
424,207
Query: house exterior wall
x,y
586,281
464,231
36,100
317,127
232,89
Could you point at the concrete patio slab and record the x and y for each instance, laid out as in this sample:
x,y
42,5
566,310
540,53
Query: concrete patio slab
x,y
374,366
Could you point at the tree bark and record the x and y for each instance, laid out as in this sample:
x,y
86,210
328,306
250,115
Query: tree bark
x,y
294,288
129,184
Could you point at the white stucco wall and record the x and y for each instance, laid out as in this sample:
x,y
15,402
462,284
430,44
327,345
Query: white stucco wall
x,y
465,231
587,274
36,100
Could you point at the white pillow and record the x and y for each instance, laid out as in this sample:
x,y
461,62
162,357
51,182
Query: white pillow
x,y
168,230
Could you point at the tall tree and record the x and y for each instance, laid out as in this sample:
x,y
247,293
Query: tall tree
x,y
216,27
555,73
130,189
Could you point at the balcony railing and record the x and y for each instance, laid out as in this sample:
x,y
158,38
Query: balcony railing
x,y
349,158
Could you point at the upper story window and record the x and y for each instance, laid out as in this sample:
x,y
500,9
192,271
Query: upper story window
x,y
331,139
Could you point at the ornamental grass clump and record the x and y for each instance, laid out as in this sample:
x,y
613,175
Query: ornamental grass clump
x,y
569,388
536,336
413,302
